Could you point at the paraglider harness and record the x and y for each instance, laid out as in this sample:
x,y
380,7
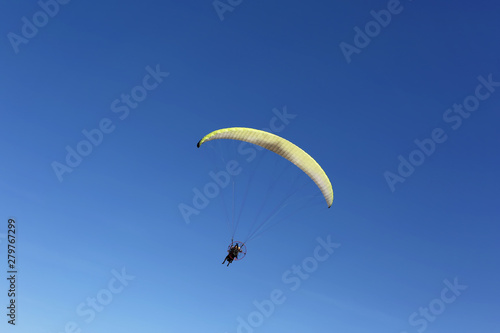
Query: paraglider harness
x,y
234,249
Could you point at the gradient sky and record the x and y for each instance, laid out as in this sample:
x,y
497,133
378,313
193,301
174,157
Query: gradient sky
x,y
398,248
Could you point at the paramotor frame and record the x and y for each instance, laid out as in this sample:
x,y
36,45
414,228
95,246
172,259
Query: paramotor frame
x,y
243,249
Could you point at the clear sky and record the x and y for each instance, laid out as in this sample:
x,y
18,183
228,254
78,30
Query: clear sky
x,y
102,105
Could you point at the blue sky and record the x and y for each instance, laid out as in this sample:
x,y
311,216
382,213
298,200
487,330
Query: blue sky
x,y
101,243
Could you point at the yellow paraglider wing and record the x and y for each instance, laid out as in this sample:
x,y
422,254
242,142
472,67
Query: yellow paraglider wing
x,y
281,147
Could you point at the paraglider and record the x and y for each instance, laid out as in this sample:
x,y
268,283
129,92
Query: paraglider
x,y
282,147
285,149
233,252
